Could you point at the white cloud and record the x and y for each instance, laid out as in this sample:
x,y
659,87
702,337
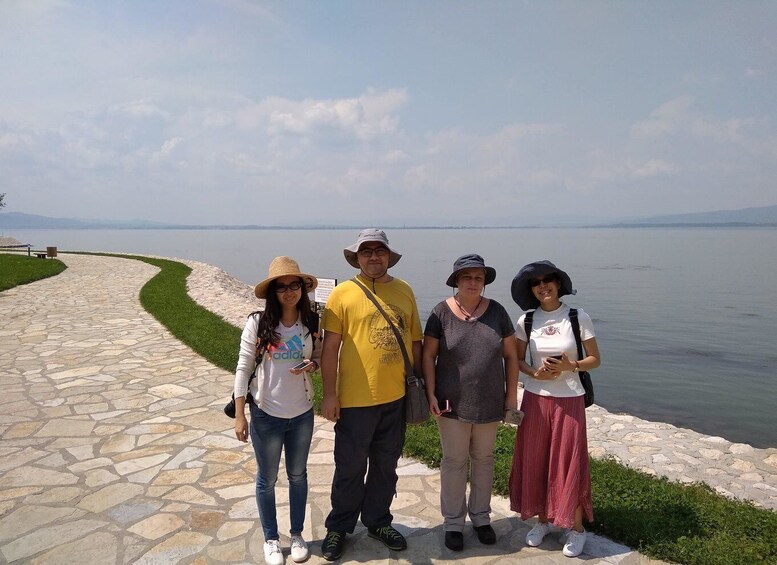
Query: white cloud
x,y
754,73
654,167
667,118
366,117
143,108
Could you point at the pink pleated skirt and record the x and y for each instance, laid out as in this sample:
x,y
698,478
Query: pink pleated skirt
x,y
550,472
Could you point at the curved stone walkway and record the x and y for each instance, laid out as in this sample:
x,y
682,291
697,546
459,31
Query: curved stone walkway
x,y
115,450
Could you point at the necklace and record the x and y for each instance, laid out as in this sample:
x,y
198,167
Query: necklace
x,y
467,315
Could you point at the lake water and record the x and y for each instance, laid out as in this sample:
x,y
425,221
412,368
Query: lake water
x,y
686,319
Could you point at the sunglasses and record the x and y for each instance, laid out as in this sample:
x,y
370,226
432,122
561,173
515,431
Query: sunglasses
x,y
281,288
368,252
544,280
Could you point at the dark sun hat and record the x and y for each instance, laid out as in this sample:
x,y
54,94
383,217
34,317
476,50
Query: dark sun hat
x,y
521,287
471,261
367,236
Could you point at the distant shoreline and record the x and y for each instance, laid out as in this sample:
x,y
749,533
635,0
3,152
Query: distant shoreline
x,y
726,225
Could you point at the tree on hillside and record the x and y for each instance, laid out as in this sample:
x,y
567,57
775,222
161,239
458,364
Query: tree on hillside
x,y
2,200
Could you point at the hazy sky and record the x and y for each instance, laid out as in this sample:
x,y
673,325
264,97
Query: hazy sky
x,y
376,113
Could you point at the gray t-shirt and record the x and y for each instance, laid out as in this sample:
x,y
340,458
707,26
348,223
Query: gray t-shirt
x,y
470,370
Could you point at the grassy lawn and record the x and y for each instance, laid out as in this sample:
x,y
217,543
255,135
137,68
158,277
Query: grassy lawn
x,y
666,520
21,269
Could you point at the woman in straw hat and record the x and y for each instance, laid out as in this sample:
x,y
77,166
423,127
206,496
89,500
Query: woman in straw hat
x,y
550,477
471,370
280,398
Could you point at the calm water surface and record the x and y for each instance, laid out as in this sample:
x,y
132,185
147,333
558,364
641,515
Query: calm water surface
x,y
686,319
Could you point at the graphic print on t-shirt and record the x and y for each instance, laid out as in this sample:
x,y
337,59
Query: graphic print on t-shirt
x,y
382,336
289,350
550,330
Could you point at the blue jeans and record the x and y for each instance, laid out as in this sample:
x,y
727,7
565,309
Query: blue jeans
x,y
269,435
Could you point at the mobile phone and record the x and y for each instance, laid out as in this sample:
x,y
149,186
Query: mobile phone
x,y
302,365
559,357
445,406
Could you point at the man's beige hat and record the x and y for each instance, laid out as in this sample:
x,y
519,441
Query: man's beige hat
x,y
281,267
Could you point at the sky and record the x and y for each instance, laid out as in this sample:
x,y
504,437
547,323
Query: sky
x,y
386,113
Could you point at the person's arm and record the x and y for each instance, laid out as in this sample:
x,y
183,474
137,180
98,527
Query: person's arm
x,y
246,364
241,424
417,355
510,355
592,358
429,355
541,374
330,405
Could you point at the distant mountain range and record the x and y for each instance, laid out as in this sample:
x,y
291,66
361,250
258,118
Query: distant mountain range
x,y
763,216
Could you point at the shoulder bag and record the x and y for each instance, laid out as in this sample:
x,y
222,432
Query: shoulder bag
x,y
416,403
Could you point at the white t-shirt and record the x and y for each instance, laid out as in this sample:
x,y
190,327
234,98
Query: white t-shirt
x,y
275,390
551,334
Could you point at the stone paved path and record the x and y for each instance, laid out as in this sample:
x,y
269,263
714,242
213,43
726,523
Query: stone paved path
x,y
115,450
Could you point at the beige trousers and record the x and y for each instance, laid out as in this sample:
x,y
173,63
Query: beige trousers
x,y
464,443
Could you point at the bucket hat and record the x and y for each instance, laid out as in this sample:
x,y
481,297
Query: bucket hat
x,y
365,236
281,267
521,287
471,261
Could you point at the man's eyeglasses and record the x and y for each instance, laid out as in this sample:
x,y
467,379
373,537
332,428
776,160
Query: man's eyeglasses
x,y
545,280
281,288
368,252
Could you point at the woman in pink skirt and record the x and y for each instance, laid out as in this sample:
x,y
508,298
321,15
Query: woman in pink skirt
x,y
550,476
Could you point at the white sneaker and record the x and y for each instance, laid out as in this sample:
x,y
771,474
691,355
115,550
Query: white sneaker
x,y
299,549
575,543
272,552
537,534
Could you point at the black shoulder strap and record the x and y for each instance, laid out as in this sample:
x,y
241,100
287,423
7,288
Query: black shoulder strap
x,y
576,331
408,365
527,322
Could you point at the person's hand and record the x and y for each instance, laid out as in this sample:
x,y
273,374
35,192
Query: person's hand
x,y
545,374
434,408
330,408
241,427
558,365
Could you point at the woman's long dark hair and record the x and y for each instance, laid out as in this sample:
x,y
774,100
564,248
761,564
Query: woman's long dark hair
x,y
272,315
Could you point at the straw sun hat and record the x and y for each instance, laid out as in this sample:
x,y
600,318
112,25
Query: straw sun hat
x,y
281,267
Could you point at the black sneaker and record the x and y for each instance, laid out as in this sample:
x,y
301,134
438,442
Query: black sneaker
x,y
389,536
332,546
454,541
486,534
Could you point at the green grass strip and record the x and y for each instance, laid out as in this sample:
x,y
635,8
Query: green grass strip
x,y
165,298
21,269
665,520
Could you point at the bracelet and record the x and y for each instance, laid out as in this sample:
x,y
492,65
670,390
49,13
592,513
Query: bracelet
x,y
577,367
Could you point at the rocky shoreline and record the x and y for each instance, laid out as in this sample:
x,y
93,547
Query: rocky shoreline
x,y
732,469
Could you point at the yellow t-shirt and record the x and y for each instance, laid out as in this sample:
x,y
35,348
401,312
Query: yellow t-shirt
x,y
371,370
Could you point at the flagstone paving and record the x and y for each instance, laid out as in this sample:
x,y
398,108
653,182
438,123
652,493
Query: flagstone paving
x,y
115,449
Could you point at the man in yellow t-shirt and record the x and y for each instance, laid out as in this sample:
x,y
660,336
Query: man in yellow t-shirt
x,y
364,387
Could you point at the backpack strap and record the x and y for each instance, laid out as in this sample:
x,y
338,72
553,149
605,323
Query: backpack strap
x,y
527,323
576,330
